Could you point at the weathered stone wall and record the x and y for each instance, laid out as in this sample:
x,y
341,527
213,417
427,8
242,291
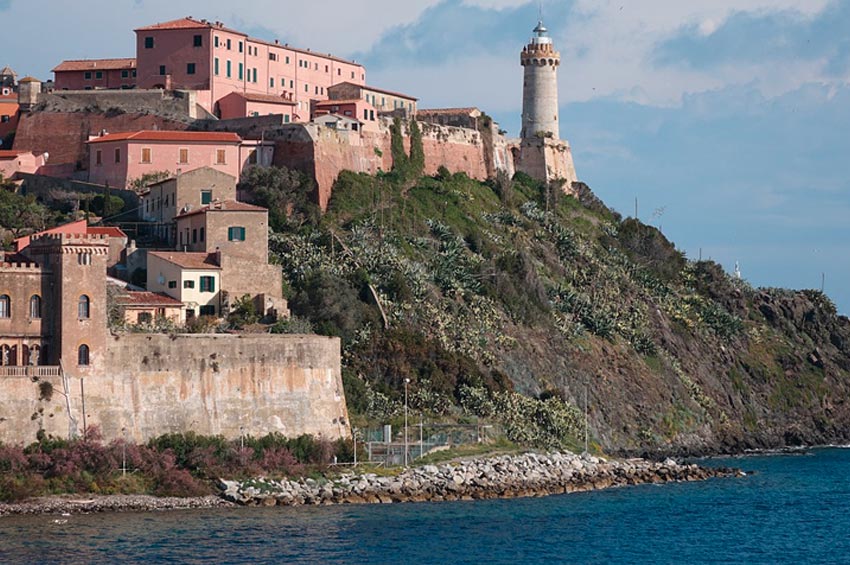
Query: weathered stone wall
x,y
210,384
546,159
323,153
64,134
44,187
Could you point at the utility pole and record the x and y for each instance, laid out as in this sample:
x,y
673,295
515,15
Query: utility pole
x,y
406,382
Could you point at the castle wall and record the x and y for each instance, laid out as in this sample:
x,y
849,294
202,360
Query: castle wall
x,y
547,160
210,384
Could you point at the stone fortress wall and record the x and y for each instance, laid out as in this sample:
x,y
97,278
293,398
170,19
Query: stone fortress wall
x,y
155,384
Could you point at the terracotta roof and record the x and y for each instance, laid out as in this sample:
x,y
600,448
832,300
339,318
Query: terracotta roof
x,y
449,111
225,206
111,231
28,79
187,23
133,298
338,102
11,153
201,261
163,135
372,88
95,64
305,51
267,98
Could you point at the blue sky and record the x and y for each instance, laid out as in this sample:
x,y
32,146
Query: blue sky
x,y
726,119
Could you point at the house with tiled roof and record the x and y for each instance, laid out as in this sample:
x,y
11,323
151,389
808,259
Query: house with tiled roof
x,y
116,238
216,60
117,159
455,117
142,307
94,74
221,256
385,101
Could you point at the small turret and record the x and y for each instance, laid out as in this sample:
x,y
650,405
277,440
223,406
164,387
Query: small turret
x,y
29,89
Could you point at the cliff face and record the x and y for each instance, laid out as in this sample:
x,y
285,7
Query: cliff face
x,y
487,289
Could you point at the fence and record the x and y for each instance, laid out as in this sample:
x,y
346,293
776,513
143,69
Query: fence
x,y
30,371
382,446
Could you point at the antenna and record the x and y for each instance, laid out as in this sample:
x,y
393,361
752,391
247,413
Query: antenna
x,y
540,10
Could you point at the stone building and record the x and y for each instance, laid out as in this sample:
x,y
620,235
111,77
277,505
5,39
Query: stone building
x,y
165,200
222,256
541,152
385,101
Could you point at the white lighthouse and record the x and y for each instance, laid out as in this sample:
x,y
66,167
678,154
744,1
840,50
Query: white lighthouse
x,y
542,154
540,86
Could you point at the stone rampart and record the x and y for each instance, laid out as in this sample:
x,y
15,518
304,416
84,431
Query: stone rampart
x,y
210,384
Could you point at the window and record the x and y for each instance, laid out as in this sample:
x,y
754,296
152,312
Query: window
x,y
188,284
291,83
235,233
5,306
198,41
190,68
239,75
287,60
134,73
271,82
125,74
202,235
206,197
162,70
255,75
98,157
286,118
172,284
144,318
146,154
207,310
220,155
339,72
83,307
87,75
83,355
272,56
195,236
228,44
117,155
149,43
352,74
84,259
207,284
240,46
98,75
306,88
252,158
215,41
184,156
228,70
190,314
327,69
215,66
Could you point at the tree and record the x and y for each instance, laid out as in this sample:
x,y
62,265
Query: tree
x,y
417,151
143,182
22,214
285,192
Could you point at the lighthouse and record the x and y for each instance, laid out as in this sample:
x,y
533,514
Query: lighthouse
x,y
542,154
540,62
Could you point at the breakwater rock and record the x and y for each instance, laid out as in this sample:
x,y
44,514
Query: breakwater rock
x,y
508,476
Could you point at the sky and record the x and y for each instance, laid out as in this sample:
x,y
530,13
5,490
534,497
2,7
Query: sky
x,y
724,122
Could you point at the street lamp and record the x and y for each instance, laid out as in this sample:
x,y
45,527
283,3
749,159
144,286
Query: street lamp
x,y
406,382
124,453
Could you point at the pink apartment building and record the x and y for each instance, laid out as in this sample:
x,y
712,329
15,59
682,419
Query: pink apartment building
x,y
217,61
92,74
117,159
13,161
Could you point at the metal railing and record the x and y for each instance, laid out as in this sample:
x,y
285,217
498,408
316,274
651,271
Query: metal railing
x,y
30,371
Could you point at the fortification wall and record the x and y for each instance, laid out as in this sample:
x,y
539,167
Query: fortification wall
x,y
323,153
64,134
44,188
210,384
546,159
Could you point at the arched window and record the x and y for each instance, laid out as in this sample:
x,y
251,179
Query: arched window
x,y
34,355
83,307
83,355
5,306
35,306
5,356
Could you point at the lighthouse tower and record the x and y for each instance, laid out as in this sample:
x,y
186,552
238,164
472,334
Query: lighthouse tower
x,y
540,86
542,154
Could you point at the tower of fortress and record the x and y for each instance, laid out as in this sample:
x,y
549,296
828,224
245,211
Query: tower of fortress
x,y
540,62
542,153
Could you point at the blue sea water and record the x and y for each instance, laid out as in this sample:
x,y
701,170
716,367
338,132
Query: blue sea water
x,y
792,509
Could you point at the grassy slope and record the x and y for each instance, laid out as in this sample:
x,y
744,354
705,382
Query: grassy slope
x,y
481,297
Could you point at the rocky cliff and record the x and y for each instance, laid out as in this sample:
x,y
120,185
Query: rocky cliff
x,y
513,302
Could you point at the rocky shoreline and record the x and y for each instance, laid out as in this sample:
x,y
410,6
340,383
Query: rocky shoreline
x,y
507,476
81,504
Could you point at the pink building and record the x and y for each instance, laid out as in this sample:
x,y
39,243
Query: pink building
x,y
117,159
355,108
92,74
9,114
242,104
216,61
13,161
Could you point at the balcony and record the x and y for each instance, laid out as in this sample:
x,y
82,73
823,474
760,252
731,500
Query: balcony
x,y
30,372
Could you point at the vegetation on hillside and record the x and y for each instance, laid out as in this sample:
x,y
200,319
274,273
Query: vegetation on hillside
x,y
510,300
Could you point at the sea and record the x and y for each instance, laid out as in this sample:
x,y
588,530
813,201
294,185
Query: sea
x,y
791,508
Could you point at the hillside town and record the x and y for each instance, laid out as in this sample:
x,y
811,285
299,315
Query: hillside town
x,y
169,134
